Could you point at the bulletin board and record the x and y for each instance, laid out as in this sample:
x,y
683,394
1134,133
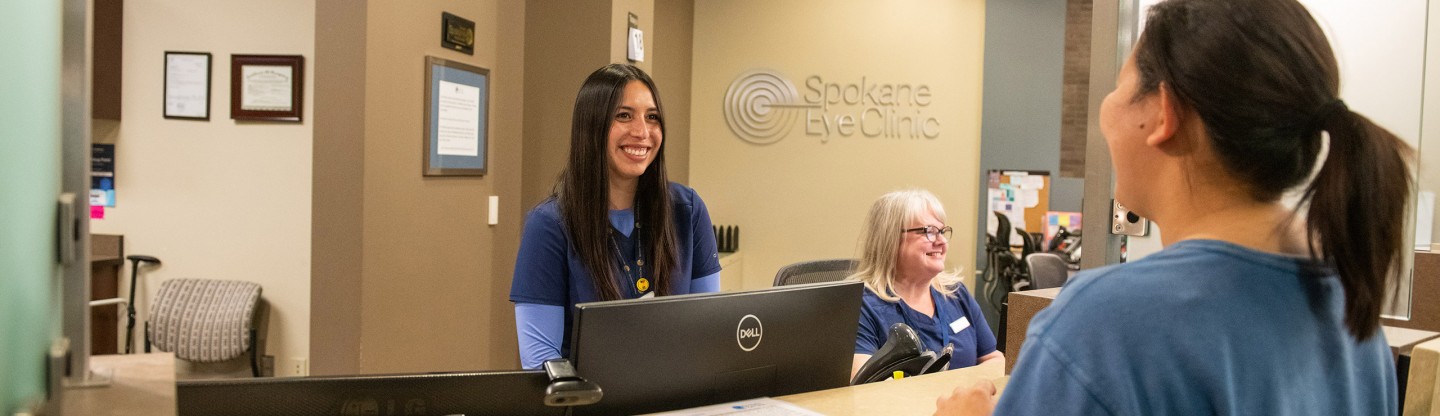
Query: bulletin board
x,y
1024,198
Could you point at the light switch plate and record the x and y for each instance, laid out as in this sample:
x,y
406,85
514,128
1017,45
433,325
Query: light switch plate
x,y
494,209
1125,222
637,45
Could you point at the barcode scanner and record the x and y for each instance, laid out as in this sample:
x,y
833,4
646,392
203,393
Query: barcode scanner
x,y
567,388
902,352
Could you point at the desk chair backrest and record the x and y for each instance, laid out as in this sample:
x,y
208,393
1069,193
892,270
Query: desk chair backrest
x,y
204,320
1047,270
832,270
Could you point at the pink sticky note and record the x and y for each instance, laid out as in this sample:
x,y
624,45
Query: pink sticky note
x,y
97,212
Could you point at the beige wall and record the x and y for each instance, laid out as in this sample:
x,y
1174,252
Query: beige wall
x,y
430,294
671,53
565,42
1429,156
338,216
215,199
804,198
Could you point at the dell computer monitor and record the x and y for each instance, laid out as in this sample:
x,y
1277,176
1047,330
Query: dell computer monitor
x,y
459,393
684,351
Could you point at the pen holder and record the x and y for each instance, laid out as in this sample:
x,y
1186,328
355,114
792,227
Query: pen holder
x,y
727,238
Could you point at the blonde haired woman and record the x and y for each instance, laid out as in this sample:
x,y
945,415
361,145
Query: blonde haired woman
x,y
903,268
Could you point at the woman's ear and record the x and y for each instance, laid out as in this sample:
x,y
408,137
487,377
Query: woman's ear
x,y
1167,120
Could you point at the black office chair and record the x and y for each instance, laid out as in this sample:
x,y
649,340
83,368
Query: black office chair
x,y
1047,270
832,270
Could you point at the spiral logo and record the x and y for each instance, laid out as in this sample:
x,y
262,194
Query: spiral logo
x,y
760,107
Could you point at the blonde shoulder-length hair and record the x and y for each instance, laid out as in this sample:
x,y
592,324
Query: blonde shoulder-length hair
x,y
880,242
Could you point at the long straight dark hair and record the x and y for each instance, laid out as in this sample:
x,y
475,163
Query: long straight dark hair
x,y
1264,80
583,191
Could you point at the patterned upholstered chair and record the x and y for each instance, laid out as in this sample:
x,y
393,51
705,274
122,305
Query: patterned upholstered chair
x,y
206,321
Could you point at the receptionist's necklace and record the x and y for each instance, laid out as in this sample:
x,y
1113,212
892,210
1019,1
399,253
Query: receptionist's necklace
x,y
642,284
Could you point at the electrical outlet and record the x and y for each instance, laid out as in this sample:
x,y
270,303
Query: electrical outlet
x,y
1125,222
295,366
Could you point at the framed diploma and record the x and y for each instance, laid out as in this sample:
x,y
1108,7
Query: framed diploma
x,y
187,85
267,87
457,115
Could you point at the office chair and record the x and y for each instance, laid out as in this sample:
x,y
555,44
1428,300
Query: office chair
x,y
1047,270
206,321
831,270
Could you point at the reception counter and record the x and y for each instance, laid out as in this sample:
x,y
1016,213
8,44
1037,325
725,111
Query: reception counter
x,y
908,396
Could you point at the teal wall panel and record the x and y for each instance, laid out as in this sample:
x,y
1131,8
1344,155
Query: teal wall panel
x,y
29,183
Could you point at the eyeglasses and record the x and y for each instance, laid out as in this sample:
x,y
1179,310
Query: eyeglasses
x,y
931,231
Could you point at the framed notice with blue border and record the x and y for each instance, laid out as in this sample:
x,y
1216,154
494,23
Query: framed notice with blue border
x,y
457,118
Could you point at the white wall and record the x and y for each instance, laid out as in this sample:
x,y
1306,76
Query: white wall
x,y
216,199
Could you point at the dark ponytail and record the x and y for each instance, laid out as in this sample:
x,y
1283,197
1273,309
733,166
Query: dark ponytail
x,y
1264,81
1356,217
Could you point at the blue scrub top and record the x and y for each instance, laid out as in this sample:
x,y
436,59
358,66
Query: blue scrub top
x,y
548,271
1202,327
958,321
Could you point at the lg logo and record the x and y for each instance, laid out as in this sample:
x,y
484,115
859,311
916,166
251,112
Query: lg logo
x,y
749,332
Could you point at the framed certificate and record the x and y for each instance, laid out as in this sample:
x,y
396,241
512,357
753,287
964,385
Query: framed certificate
x,y
267,87
457,118
187,85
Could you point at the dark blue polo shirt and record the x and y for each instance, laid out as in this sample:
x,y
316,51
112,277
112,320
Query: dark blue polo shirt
x,y
548,271
957,321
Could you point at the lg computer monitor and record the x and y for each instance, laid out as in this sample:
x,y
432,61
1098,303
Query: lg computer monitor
x,y
460,393
684,351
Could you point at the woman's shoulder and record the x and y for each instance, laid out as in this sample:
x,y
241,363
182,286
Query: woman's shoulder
x,y
683,195
547,211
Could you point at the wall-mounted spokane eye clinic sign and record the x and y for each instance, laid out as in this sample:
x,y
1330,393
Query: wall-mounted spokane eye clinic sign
x,y
762,106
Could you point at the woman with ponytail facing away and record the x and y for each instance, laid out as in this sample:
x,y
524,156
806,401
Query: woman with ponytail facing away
x,y
1253,307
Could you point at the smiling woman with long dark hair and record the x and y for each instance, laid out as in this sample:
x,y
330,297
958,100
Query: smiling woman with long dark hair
x,y
616,227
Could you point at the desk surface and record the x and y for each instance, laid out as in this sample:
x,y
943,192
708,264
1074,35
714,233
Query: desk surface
x,y
143,385
908,396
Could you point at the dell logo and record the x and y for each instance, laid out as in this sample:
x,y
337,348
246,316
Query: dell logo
x,y
749,332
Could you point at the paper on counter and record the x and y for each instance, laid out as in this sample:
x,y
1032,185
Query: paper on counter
x,y
754,407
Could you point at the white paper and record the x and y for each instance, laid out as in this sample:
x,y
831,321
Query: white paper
x,y
754,407
1424,219
266,87
458,132
186,80
1032,182
1029,198
636,51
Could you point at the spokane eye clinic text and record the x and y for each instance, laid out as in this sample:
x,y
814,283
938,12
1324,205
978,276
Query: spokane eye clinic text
x,y
884,110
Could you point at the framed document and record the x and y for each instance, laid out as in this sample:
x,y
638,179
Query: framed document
x,y
457,115
187,85
267,87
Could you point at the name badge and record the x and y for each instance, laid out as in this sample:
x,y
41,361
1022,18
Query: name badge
x,y
960,324
652,294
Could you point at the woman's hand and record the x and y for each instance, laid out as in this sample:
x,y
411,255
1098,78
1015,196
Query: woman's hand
x,y
978,399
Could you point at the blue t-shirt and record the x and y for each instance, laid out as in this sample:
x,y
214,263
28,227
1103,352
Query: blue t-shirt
x,y
957,322
1203,327
548,271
